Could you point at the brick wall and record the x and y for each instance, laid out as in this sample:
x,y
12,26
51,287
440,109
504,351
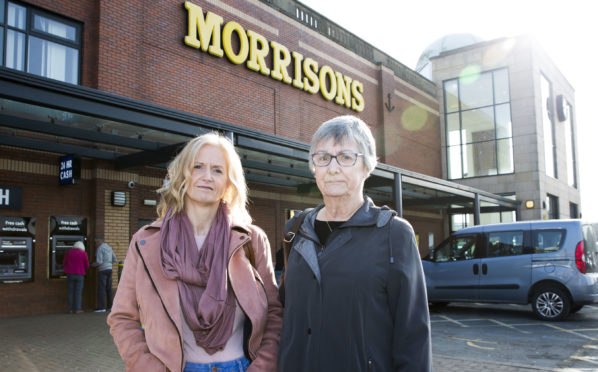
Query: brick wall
x,y
37,174
135,49
116,228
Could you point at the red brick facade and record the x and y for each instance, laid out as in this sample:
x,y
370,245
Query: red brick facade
x,y
135,49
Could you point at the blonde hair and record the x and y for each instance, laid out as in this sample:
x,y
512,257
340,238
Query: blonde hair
x,y
172,193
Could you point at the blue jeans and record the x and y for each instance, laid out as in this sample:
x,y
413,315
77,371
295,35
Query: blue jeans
x,y
104,289
75,286
237,365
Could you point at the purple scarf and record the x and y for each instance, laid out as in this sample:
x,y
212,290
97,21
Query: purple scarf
x,y
208,302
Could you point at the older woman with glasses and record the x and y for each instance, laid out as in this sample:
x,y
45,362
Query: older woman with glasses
x,y
353,290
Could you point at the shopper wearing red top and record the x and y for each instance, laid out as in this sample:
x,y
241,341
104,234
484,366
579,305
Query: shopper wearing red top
x,y
75,265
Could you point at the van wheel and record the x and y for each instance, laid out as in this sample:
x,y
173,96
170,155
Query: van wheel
x,y
551,303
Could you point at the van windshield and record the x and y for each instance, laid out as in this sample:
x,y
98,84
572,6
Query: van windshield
x,y
591,247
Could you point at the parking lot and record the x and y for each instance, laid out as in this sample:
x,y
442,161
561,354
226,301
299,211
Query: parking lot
x,y
466,337
511,334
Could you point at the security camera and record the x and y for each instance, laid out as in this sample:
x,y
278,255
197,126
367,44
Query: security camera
x,y
131,184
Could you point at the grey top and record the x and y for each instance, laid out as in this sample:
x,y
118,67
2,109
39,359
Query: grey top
x,y
104,257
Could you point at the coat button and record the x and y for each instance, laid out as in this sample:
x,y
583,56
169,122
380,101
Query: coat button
x,y
309,331
142,242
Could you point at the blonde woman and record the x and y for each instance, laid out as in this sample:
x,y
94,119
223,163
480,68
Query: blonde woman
x,y
189,298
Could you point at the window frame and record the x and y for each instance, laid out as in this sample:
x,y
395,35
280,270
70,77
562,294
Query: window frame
x,y
534,238
548,111
570,148
456,170
29,31
450,241
552,207
525,245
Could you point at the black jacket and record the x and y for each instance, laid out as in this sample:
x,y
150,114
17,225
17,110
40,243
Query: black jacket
x,y
359,303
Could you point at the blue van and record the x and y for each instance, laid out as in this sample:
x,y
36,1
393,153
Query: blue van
x,y
551,264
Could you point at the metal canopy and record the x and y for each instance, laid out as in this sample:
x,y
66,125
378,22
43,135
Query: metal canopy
x,y
43,114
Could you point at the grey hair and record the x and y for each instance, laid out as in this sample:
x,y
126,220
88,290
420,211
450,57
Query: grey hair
x,y
347,127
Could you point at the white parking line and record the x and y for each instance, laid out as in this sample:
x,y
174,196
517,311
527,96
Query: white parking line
x,y
593,360
571,332
509,326
454,321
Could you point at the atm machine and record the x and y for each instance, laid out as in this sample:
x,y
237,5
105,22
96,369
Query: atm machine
x,y
60,245
64,232
15,259
16,249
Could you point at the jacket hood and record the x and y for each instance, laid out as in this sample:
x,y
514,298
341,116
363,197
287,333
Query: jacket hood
x,y
367,215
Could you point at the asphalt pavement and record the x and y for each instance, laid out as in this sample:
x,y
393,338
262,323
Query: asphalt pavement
x,y
82,342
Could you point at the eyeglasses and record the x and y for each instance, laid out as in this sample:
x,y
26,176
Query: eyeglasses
x,y
343,158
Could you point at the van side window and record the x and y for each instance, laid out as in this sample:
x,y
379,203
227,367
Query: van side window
x,y
456,249
546,241
505,243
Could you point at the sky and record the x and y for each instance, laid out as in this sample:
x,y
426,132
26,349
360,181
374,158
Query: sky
x,y
566,30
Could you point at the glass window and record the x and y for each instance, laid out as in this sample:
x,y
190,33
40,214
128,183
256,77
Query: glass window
x,y
49,47
570,149
545,241
451,92
503,121
548,128
1,11
454,162
552,207
53,60
505,243
505,156
501,86
573,210
478,125
453,129
54,28
476,92
16,16
479,159
1,44
481,127
15,50
456,249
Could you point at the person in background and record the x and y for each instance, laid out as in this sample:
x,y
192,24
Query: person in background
x,y
353,290
104,259
75,264
197,291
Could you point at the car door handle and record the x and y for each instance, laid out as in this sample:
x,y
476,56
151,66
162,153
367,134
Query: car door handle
x,y
484,269
476,269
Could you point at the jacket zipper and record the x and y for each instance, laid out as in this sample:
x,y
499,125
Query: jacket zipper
x,y
161,301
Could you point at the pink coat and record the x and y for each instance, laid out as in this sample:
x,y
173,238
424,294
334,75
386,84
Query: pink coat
x,y
146,315
75,262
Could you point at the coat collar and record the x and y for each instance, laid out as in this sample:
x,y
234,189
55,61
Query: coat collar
x,y
236,225
367,215
240,234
